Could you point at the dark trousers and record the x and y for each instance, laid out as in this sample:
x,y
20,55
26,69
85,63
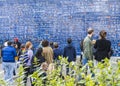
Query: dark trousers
x,y
26,74
14,72
43,82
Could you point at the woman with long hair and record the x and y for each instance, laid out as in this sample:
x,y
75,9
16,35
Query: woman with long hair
x,y
102,47
28,63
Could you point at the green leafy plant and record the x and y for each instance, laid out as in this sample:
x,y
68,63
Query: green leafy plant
x,y
2,82
19,79
102,74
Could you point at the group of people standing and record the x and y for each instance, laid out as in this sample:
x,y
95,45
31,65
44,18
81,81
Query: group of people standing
x,y
48,54
102,47
45,53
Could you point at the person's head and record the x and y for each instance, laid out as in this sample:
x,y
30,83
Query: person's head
x,y
9,43
51,44
44,66
51,67
6,43
103,34
15,39
45,43
69,40
39,52
28,45
22,46
15,46
55,45
90,31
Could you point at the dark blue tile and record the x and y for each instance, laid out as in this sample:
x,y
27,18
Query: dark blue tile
x,y
56,20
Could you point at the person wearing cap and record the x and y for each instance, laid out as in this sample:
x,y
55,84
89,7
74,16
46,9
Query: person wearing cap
x,y
87,47
16,41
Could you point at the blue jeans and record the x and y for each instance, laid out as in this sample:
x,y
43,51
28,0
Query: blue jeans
x,y
84,61
8,68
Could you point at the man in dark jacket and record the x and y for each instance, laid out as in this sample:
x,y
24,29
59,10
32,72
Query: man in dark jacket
x,y
8,57
69,51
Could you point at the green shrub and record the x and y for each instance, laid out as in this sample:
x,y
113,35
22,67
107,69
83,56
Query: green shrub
x,y
104,74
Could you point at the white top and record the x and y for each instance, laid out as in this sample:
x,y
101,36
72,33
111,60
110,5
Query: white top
x,y
30,54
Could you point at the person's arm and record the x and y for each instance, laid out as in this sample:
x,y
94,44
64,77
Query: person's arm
x,y
52,53
61,52
14,53
89,49
41,60
109,46
75,54
64,52
30,54
95,46
2,53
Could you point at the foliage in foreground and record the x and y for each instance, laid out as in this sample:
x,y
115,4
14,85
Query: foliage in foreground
x,y
102,74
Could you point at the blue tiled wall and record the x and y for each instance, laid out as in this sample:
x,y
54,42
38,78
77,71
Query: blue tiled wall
x,y
56,20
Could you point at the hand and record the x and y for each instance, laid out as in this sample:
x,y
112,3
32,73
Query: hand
x,y
93,41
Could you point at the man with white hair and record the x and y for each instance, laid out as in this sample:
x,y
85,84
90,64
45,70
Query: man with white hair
x,y
87,47
5,44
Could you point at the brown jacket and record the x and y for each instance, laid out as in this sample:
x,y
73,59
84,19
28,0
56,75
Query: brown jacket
x,y
48,54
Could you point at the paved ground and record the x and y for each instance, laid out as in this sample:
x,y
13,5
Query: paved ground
x,y
1,71
2,76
